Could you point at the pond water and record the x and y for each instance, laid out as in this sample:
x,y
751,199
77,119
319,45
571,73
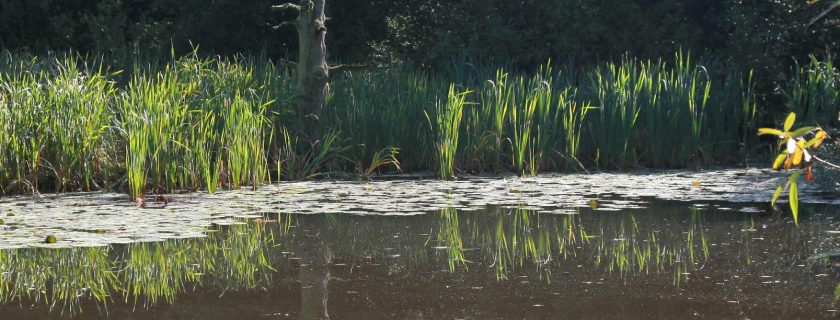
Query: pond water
x,y
663,259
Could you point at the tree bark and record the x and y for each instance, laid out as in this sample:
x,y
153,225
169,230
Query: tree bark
x,y
313,73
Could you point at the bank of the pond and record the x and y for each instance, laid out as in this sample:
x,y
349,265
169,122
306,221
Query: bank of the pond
x,y
92,219
145,124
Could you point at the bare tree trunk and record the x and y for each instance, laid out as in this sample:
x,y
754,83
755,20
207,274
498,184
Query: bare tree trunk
x,y
312,70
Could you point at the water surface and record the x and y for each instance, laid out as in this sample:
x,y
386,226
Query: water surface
x,y
669,260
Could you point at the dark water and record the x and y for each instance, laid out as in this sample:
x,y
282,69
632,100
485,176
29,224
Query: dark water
x,y
667,261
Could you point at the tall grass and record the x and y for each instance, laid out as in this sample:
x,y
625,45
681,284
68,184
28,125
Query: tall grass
x,y
54,123
163,124
660,114
814,92
189,123
385,108
447,127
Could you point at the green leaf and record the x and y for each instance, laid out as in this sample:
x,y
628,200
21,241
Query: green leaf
x,y
777,194
802,131
771,131
791,118
779,160
794,202
794,197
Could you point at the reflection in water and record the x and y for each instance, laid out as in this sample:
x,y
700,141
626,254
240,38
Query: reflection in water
x,y
311,257
521,237
234,257
314,268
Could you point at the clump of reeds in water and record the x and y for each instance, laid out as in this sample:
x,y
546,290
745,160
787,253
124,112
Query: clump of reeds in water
x,y
55,120
814,92
633,113
73,123
188,124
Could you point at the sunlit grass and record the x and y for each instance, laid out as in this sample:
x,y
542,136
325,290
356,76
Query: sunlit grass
x,y
152,124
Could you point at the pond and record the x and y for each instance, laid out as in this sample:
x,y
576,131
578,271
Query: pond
x,y
651,258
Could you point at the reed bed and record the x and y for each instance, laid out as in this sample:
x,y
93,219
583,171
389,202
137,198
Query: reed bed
x,y
629,114
159,125
814,92
69,123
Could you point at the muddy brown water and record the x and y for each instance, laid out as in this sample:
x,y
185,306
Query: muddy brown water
x,y
705,260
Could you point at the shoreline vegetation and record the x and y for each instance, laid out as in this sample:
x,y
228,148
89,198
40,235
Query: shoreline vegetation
x,y
146,125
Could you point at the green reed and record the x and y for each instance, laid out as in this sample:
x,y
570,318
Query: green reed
x,y
382,109
54,117
814,92
188,123
653,113
70,123
446,126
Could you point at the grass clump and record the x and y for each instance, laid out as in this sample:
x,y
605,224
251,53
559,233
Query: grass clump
x,y
814,92
70,122
446,127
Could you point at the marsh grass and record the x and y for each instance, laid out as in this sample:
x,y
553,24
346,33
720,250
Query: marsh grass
x,y
445,122
166,124
814,92
69,123
661,114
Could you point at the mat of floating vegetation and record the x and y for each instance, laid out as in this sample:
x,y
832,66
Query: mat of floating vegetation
x,y
94,219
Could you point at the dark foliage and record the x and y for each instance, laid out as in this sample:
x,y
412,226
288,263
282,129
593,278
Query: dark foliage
x,y
768,36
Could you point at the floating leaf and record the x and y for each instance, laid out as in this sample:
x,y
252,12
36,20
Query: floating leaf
x,y
593,204
695,183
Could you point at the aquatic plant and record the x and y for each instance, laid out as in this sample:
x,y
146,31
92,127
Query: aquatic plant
x,y
814,92
446,127
161,124
381,158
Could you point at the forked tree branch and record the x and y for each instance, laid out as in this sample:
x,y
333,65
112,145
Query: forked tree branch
x,y
286,6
